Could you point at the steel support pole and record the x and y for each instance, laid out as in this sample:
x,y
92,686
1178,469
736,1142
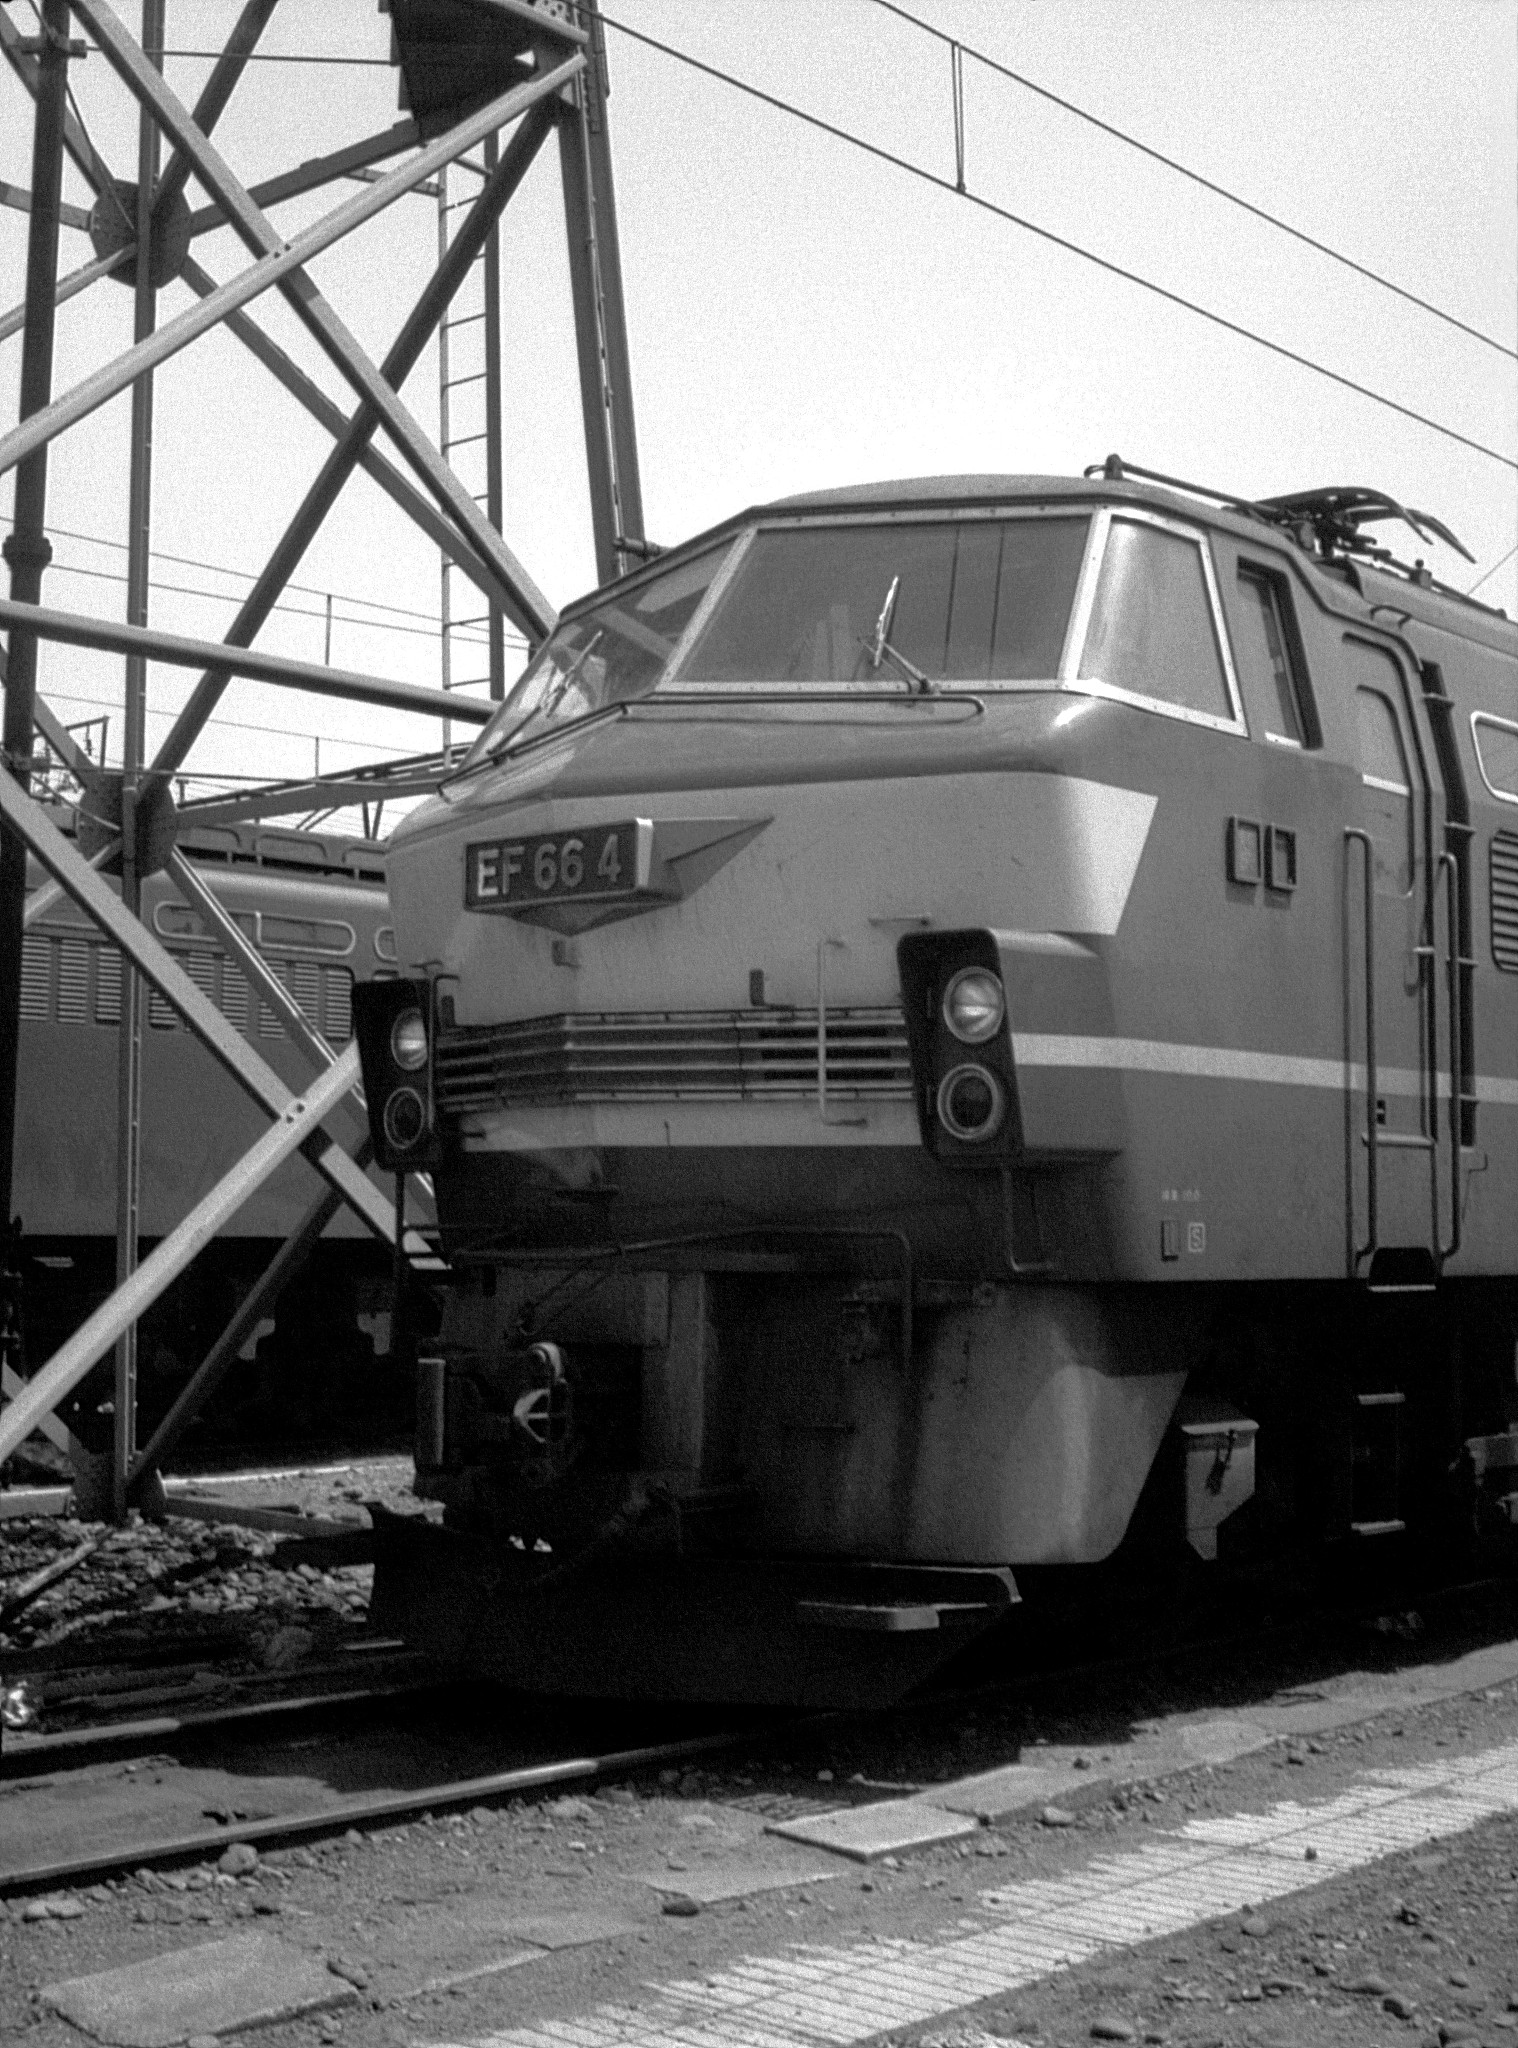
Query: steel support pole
x,y
134,727
495,482
399,361
26,549
95,171
622,425
580,240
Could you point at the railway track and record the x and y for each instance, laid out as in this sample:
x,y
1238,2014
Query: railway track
x,y
369,1811
413,1710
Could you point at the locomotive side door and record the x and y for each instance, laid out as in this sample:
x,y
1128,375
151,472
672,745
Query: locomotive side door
x,y
1391,985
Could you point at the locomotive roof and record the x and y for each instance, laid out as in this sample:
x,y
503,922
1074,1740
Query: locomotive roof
x,y
1435,604
985,487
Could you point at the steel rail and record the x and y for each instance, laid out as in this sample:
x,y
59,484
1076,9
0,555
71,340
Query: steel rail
x,y
368,1811
79,1747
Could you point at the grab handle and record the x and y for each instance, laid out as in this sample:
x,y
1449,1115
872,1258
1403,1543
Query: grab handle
x,y
1372,1130
1451,872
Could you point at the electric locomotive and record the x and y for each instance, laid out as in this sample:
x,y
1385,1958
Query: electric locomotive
x,y
957,1024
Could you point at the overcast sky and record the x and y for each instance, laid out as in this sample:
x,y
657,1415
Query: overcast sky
x,y
804,315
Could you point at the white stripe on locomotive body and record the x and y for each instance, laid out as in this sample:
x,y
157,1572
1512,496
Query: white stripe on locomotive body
x,y
674,1125
1228,1063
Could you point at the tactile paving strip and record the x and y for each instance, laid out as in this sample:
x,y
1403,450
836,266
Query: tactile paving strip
x,y
1020,1932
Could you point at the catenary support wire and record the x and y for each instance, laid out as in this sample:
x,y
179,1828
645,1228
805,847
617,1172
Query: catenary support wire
x,y
901,163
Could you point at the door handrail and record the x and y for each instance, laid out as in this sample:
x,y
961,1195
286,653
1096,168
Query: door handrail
x,y
1372,1190
1449,868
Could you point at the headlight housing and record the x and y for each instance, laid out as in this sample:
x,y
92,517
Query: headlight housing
x,y
408,1041
974,1004
972,1103
405,1119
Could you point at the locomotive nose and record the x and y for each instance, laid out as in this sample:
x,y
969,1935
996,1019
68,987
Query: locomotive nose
x,y
800,962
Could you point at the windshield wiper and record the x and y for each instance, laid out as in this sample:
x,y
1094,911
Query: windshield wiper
x,y
879,647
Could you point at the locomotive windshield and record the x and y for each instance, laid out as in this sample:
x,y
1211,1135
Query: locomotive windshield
x,y
955,601
975,601
604,655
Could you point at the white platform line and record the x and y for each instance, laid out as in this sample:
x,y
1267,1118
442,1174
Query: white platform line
x,y
817,1997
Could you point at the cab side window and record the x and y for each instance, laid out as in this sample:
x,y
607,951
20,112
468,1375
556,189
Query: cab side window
x,y
1497,754
1268,663
1151,628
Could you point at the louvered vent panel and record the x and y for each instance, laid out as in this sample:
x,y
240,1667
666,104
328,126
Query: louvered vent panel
x,y
107,985
337,1005
160,1015
674,1056
270,1023
304,981
1505,900
36,979
234,995
201,968
73,981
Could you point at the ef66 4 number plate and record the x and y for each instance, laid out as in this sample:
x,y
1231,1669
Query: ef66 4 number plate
x,y
589,864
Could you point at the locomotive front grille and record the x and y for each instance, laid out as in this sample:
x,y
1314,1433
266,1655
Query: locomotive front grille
x,y
672,1056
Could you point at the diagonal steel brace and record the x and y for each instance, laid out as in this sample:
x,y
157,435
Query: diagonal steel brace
x,y
299,1123
525,601
32,825
285,370
85,629
214,94
281,264
95,170
355,437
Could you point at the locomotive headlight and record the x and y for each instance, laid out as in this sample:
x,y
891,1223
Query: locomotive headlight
x,y
973,1006
971,1103
408,1041
405,1118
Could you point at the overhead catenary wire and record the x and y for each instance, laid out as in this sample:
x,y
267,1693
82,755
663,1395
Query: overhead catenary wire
x,y
1059,241
1490,573
1196,177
